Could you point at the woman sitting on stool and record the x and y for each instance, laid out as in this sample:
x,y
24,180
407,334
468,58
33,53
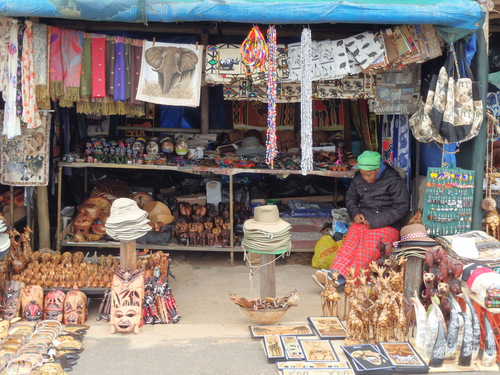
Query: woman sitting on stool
x,y
377,202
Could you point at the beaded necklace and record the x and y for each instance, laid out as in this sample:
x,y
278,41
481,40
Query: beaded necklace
x,y
271,147
254,50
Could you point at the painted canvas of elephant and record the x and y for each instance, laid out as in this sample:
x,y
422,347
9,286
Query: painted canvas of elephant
x,y
170,74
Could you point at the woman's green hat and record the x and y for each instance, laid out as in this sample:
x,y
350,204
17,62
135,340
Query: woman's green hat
x,y
369,160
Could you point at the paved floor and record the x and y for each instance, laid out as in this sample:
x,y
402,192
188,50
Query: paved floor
x,y
212,337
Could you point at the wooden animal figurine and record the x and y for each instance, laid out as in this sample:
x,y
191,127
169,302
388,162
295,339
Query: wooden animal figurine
x,y
330,297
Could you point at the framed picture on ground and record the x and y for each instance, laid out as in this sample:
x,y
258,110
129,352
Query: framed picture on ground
x,y
318,371
274,348
282,329
293,350
328,327
318,350
304,364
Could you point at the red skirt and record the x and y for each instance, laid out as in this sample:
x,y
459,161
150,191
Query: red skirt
x,y
359,248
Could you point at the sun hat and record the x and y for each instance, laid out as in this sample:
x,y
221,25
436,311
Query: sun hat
x,y
125,209
249,146
414,235
369,160
266,219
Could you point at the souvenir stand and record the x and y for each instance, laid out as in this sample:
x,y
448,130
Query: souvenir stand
x,y
388,326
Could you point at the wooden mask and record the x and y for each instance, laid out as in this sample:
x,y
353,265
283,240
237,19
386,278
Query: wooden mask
x,y
75,307
12,304
32,303
54,305
127,297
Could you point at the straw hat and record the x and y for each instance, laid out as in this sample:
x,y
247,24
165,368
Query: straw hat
x,y
127,221
414,235
249,146
266,219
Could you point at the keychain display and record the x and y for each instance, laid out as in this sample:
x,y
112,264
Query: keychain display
x,y
449,196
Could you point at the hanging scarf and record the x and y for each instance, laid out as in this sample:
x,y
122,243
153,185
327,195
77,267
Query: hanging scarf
x,y
110,65
86,76
98,67
71,51
11,123
135,67
306,163
120,78
56,64
271,147
40,65
30,114
128,48
19,89
5,26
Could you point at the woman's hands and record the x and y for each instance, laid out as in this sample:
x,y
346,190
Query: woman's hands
x,y
360,219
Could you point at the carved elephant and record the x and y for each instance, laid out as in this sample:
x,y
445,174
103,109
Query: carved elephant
x,y
171,63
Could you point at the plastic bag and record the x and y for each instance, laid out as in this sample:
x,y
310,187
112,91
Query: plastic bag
x,y
341,220
325,251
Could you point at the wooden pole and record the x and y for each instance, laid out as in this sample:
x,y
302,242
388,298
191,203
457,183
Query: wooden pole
x,y
128,257
42,205
267,275
205,100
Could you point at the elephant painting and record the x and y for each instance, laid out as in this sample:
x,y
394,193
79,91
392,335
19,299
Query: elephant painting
x,y
172,65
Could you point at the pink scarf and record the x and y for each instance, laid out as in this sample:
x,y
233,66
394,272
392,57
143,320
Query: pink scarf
x,y
55,64
98,67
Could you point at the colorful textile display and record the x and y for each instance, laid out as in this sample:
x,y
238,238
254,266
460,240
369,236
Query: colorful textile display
x,y
11,122
306,163
135,69
55,64
41,60
110,65
120,78
86,76
271,142
30,113
71,50
98,67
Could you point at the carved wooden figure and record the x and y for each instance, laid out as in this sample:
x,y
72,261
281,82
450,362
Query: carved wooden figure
x,y
330,297
31,298
75,307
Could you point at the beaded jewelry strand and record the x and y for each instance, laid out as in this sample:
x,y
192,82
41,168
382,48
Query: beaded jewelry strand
x,y
271,141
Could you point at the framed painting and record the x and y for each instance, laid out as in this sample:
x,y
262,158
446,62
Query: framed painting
x,y
328,327
285,329
402,354
304,364
293,350
318,350
274,348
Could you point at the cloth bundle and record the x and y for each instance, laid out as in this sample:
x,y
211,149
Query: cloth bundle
x,y
266,233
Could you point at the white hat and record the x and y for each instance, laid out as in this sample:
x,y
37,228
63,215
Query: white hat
x,y
266,219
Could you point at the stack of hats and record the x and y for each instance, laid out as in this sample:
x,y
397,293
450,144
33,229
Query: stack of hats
x,y
127,221
414,241
4,239
266,233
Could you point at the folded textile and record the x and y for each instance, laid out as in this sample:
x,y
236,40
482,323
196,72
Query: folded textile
x,y
86,76
5,26
110,65
11,123
135,68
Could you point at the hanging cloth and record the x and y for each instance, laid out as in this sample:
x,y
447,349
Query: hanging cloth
x,y
271,141
19,89
86,76
56,64
71,50
110,65
5,26
135,68
120,78
30,114
98,67
40,65
128,48
306,130
12,124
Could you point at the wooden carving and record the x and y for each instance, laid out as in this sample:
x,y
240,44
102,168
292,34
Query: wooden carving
x,y
75,307
32,303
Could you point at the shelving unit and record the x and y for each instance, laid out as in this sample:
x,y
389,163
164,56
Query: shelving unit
x,y
230,172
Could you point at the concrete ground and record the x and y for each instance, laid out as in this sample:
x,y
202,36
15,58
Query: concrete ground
x,y
212,337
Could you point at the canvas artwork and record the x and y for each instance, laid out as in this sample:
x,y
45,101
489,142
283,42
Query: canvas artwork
x,y
328,327
294,63
274,348
401,354
318,350
170,74
292,348
25,157
285,329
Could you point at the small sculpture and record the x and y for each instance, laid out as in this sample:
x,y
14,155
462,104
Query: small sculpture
x,y
330,297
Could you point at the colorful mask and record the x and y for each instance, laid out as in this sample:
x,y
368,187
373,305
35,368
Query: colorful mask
x,y
31,303
75,307
127,297
54,305
32,312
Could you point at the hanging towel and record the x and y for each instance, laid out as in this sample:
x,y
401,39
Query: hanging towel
x,y
135,68
40,65
56,64
98,67
30,114
120,79
5,25
71,51
11,123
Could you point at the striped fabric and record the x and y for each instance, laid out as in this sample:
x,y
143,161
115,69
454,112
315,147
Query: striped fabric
x,y
359,248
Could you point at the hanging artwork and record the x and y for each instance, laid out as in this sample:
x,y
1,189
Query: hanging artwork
x,y
255,114
170,74
24,158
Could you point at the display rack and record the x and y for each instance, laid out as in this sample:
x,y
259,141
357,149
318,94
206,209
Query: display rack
x,y
230,172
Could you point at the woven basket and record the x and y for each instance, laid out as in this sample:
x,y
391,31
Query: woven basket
x,y
265,316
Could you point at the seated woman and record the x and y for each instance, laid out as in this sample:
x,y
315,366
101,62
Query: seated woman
x,y
377,202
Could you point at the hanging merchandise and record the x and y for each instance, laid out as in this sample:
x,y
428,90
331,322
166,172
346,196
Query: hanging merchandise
x,y
11,122
254,51
40,59
56,64
271,142
98,47
30,113
449,195
71,51
306,130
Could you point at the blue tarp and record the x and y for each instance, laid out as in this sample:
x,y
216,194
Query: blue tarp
x,y
466,14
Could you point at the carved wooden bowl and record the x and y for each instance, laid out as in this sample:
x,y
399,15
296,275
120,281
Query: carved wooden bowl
x,y
265,316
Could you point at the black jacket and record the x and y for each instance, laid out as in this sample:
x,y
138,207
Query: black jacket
x,y
385,202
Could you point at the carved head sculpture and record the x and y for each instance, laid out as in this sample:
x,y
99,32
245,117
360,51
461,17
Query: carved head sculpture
x,y
54,305
66,257
31,298
12,305
33,312
75,307
127,296
172,65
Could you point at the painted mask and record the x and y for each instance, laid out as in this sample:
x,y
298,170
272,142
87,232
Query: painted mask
x,y
54,305
75,307
32,312
12,305
126,301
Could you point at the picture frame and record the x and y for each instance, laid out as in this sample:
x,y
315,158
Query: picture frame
x,y
367,356
281,329
317,350
328,327
305,364
293,350
318,371
274,348
402,354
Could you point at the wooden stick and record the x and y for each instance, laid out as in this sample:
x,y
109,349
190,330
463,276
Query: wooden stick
x,y
128,257
267,276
